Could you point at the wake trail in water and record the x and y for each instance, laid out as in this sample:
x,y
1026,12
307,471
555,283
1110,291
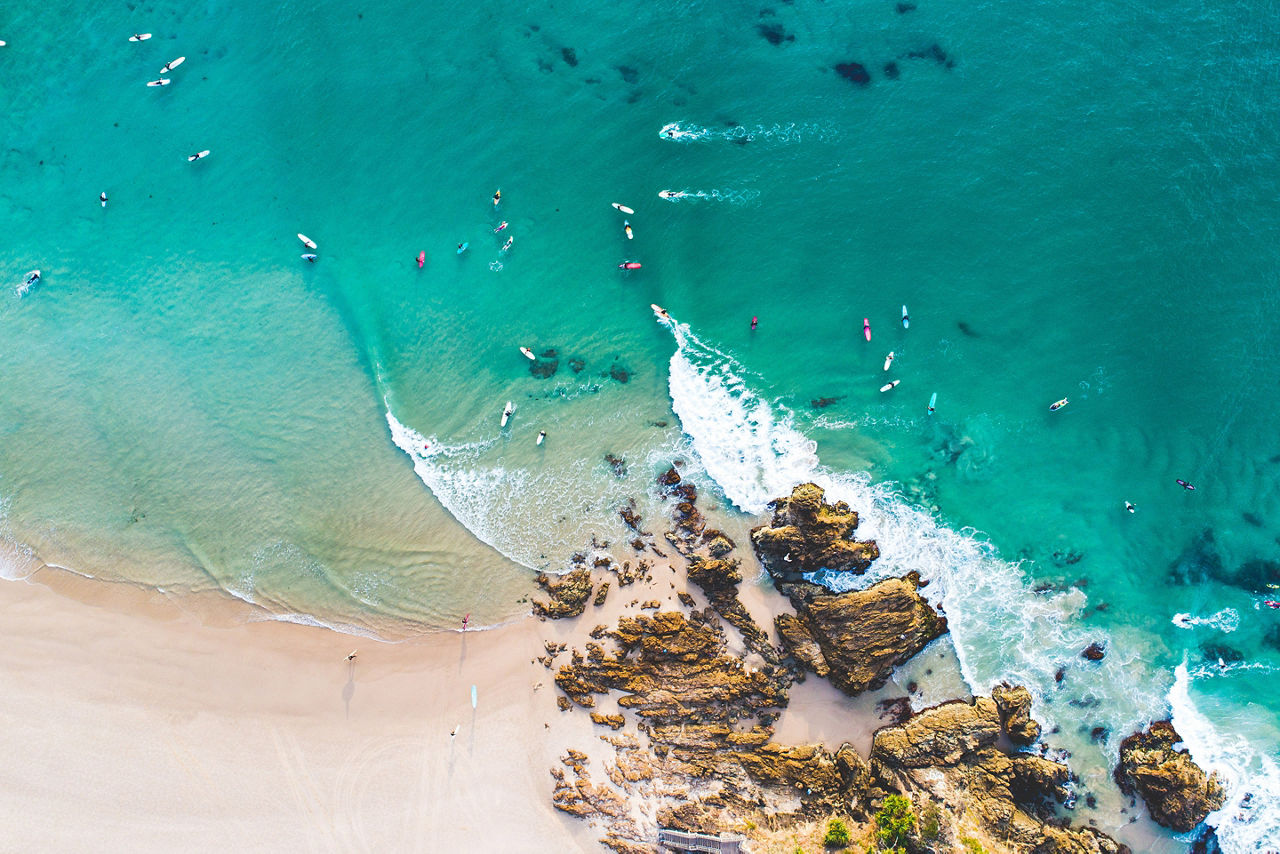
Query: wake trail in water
x,y
1227,620
781,134
1001,629
733,197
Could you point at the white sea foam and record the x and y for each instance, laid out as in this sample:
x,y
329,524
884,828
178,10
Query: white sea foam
x,y
1249,821
508,508
791,132
1001,629
1227,620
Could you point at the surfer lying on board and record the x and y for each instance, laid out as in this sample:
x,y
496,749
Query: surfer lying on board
x,y
1188,487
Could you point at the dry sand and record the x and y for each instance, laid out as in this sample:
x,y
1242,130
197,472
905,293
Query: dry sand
x,y
129,724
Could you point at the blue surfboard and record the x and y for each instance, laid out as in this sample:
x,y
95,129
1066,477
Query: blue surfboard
x,y
473,696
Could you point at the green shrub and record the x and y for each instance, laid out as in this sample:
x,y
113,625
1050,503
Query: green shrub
x,y
894,823
930,822
972,845
837,835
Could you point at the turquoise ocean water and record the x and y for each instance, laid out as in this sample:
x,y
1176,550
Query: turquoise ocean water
x,y
1072,201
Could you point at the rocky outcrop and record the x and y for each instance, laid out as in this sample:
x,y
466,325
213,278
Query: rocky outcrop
x,y
951,753
807,534
568,594
719,580
858,638
1014,706
1176,791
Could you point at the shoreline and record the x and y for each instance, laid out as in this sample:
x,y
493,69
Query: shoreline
x,y
192,716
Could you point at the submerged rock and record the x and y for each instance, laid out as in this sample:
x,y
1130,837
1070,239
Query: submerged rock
x,y
1176,790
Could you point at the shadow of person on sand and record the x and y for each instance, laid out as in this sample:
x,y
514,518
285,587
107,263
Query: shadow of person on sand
x,y
349,690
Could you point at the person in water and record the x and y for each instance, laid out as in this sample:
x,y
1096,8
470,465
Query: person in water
x,y
1185,485
754,320
1129,507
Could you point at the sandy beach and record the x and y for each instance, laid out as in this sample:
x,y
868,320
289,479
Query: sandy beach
x,y
133,724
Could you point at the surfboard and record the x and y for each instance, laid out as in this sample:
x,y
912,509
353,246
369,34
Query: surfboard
x,y
462,247
306,241
866,328
888,360
506,413
933,401
497,197
906,321
172,64
473,696
542,434
629,265
888,386
528,354
1054,407
626,226
139,37
422,259
202,154
507,245
659,311
163,81
309,257
623,208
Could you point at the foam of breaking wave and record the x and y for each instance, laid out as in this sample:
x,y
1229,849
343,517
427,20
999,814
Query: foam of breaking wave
x,y
1001,628
1249,821
791,132
1227,620
508,508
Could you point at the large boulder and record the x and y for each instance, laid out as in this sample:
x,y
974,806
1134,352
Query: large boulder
x,y
1014,705
1176,790
807,534
864,634
568,594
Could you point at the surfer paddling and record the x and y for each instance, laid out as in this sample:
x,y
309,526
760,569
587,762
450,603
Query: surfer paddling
x,y
1188,487
542,435
660,312
501,226
1128,506
497,197
672,194
754,321
102,197
1054,407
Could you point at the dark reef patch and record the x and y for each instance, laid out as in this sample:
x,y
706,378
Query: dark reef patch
x,y
774,34
904,8
891,71
629,75
570,56
854,72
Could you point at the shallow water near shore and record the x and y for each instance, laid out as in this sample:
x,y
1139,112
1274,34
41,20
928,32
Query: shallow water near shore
x,y
1070,205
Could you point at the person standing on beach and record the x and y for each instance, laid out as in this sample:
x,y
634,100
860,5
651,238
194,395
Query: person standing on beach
x,y
351,656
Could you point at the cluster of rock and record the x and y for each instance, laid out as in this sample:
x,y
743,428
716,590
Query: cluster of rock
x,y
1177,792
709,761
951,753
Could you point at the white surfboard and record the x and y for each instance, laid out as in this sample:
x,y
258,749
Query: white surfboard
x,y
169,66
306,241
2,44
139,37
659,311
626,226
888,386
309,256
528,354
163,81
473,696
542,434
888,360
199,155
506,413
623,208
